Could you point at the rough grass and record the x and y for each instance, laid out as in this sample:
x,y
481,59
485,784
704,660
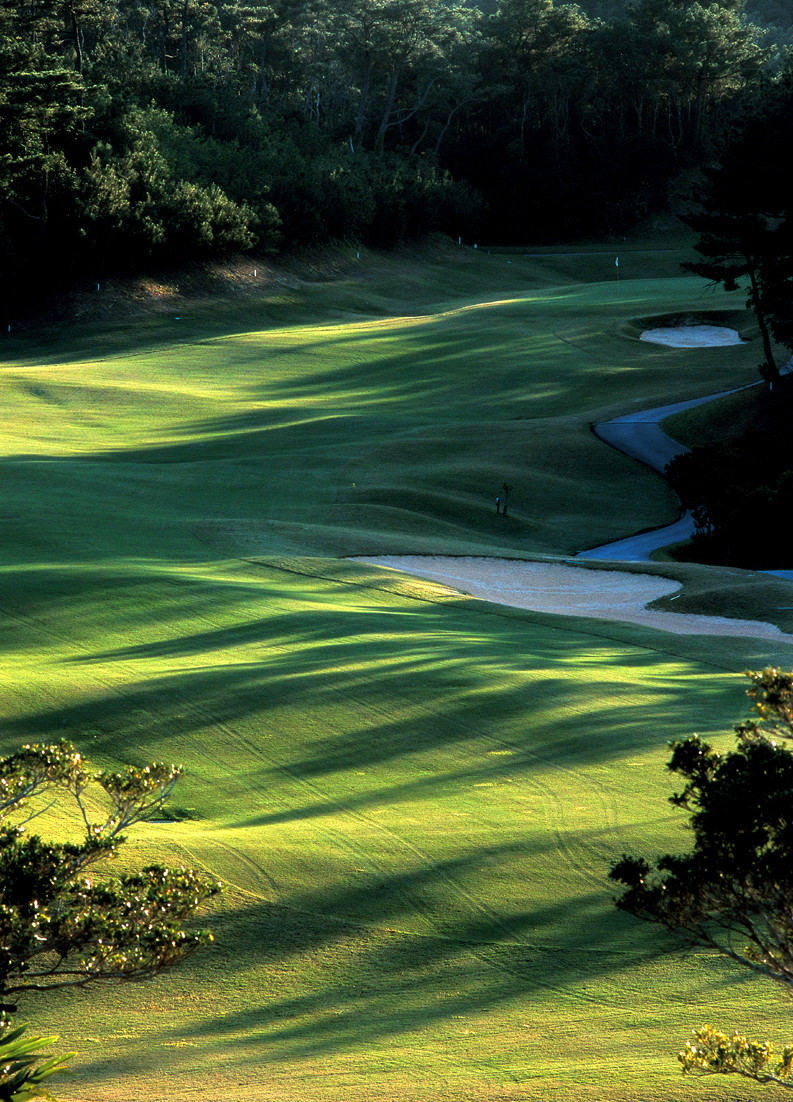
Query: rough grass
x,y
413,798
731,419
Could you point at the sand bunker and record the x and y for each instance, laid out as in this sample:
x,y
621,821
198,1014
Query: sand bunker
x,y
692,336
571,591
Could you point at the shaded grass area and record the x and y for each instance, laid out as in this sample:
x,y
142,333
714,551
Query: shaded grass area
x,y
413,797
732,418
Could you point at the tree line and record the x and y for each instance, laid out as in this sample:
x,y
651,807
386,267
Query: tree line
x,y
137,130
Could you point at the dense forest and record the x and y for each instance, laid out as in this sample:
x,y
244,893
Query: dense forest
x,y
134,131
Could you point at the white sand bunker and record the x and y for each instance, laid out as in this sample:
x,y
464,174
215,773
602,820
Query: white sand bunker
x,y
571,591
692,336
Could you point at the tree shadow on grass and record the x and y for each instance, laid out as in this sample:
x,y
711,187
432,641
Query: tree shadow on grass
x,y
381,678
393,705
366,982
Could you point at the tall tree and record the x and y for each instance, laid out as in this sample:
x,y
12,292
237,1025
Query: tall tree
x,y
745,222
527,46
400,57
700,52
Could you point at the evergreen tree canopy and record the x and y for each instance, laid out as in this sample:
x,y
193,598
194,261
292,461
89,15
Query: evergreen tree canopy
x,y
133,132
745,221
732,892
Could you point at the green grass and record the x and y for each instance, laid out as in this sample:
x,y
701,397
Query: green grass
x,y
413,798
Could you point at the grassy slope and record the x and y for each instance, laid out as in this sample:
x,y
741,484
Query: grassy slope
x,y
413,798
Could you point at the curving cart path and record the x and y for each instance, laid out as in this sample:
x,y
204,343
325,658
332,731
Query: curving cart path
x,y
640,436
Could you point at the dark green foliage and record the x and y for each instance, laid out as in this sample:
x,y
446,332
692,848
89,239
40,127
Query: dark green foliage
x,y
744,219
22,1070
737,494
179,128
732,891
323,191
65,923
581,125
148,201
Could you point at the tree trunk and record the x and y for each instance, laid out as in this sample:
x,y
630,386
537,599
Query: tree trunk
x,y
446,126
523,117
265,93
754,295
45,184
389,107
183,62
421,138
77,40
699,110
363,99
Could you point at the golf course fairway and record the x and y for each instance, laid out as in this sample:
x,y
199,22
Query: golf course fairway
x,y
412,797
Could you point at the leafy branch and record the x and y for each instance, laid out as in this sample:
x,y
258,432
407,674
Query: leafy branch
x,y
20,1078
715,1053
58,926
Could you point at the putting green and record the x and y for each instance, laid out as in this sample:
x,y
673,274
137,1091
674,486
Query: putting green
x,y
412,797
